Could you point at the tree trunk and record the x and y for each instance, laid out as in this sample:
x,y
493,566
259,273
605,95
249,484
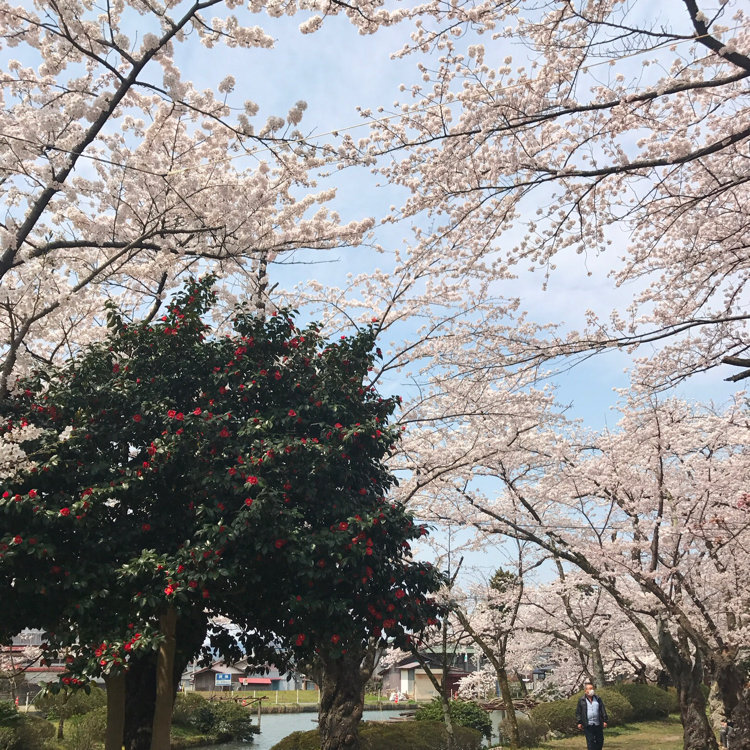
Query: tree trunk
x,y
140,697
597,663
60,728
342,698
688,678
441,690
140,681
510,712
497,659
114,736
734,697
164,702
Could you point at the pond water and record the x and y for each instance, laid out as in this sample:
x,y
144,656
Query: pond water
x,y
274,727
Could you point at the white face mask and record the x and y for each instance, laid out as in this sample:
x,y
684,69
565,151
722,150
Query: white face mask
x,y
590,691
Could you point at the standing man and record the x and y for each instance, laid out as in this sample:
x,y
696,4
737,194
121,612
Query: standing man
x,y
591,717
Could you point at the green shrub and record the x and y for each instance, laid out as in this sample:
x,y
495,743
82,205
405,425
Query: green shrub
x,y
674,700
618,706
231,721
556,716
648,701
69,703
529,733
560,716
87,732
9,715
34,733
224,719
185,706
8,738
396,735
463,714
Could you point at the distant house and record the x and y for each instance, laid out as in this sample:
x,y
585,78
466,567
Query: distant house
x,y
408,677
242,676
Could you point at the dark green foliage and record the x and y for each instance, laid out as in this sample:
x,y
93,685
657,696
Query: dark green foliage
x,y
397,735
648,701
463,714
9,715
224,719
187,705
28,733
559,716
67,703
618,706
556,716
8,739
241,476
86,732
529,733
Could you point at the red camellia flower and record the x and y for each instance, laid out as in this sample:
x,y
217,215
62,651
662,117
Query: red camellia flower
x,y
400,594
171,413
169,590
248,501
335,638
300,639
64,511
198,411
137,417
343,526
252,480
17,539
32,493
146,526
224,432
279,543
277,375
206,594
193,584
292,413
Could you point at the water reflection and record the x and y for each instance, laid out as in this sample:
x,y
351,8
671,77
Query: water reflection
x,y
274,727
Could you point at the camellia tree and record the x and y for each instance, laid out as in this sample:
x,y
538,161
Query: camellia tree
x,y
170,475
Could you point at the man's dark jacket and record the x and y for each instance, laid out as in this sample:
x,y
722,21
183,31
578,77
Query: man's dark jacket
x,y
582,713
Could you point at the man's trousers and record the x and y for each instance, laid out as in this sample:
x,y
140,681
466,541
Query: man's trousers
x,y
594,736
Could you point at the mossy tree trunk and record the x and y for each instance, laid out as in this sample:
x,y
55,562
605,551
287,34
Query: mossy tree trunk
x,y
687,675
734,696
342,683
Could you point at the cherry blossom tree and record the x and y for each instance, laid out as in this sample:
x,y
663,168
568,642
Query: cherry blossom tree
x,y
653,514
601,129
120,177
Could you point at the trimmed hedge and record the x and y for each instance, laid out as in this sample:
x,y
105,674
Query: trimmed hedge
x,y
395,735
530,734
463,714
560,716
648,701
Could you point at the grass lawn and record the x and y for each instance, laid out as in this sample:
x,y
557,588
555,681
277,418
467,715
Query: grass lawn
x,y
646,735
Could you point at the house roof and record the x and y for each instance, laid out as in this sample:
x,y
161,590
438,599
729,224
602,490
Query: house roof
x,y
218,667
